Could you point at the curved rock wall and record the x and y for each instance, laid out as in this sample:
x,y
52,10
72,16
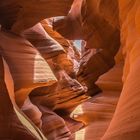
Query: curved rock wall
x,y
125,123
99,31
25,14
13,127
44,78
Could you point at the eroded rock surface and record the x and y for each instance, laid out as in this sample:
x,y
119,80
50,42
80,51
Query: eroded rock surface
x,y
25,14
125,123
13,127
52,91
99,31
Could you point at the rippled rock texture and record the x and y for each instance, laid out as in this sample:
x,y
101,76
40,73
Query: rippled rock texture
x,y
50,89
91,22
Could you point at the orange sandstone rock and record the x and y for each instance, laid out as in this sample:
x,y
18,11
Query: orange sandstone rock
x,y
19,15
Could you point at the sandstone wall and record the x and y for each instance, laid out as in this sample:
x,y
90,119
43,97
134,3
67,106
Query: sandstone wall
x,y
44,78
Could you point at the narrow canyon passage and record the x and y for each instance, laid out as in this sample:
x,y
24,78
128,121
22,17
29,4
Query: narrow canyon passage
x,y
69,70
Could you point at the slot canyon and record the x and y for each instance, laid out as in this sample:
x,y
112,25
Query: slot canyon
x,y
69,70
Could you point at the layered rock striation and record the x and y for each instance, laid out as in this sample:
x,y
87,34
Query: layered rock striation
x,y
50,89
